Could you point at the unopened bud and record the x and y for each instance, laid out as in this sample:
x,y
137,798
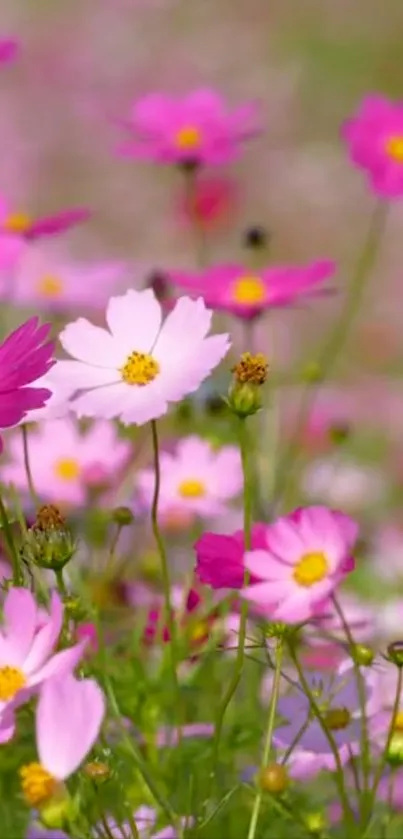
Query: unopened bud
x,y
274,778
97,771
362,655
395,653
48,543
59,811
339,433
394,756
245,393
312,372
315,822
122,516
256,237
277,629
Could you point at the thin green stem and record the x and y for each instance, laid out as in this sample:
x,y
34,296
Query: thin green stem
x,y
13,552
339,774
27,465
197,227
335,343
166,583
382,762
268,738
61,585
240,656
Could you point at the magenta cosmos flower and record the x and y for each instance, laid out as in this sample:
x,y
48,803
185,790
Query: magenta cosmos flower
x,y
307,555
194,129
220,559
247,293
9,48
195,479
133,369
27,642
25,356
68,720
19,224
375,141
64,462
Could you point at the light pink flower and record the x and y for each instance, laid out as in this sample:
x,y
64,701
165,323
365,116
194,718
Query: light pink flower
x,y
45,278
308,554
195,479
247,293
61,457
194,129
374,136
343,483
58,404
134,370
27,645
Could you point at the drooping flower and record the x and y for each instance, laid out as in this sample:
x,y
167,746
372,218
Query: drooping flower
x,y
247,293
21,225
220,559
68,720
25,356
307,555
44,277
195,129
63,461
374,136
27,642
195,479
134,370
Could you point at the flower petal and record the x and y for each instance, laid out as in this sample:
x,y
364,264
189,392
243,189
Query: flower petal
x,y
134,320
91,344
20,621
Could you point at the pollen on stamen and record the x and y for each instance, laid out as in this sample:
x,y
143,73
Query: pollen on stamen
x,y
140,369
37,784
12,680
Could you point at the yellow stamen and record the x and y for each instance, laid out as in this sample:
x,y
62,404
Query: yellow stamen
x,y
311,569
140,369
192,488
188,137
251,369
398,722
394,148
67,468
37,784
11,681
248,290
17,223
50,286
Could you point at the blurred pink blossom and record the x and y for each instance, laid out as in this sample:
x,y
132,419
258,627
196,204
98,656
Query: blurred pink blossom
x,y
374,136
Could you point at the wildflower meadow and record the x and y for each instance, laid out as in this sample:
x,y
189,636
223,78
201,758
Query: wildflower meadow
x,y
201,417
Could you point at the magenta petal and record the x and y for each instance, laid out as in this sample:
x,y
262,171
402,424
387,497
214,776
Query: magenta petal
x,y
9,48
51,225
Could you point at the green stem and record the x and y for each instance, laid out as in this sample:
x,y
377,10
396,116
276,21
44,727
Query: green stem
x,y
239,661
268,738
382,762
335,343
339,774
166,583
61,585
13,552
27,466
197,227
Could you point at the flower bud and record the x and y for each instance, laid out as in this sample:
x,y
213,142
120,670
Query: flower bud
x,y
250,374
362,655
395,653
97,771
394,756
277,629
256,237
122,516
339,433
59,811
315,822
274,778
312,372
48,543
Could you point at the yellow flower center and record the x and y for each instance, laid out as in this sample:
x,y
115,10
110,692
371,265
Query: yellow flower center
x,y
140,369
11,681
394,148
337,718
248,289
311,569
50,286
199,632
192,488
37,784
67,468
398,722
188,137
17,223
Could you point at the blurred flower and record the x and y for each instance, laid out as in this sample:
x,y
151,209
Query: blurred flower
x,y
194,616
211,203
27,641
45,279
134,370
68,720
337,697
22,226
307,555
24,358
220,559
343,483
386,553
60,458
359,616
9,48
58,404
144,818
374,136
247,293
390,790
195,129
195,479
170,736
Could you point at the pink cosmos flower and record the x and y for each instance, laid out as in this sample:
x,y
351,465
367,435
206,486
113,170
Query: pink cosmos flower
x,y
68,721
9,48
42,277
307,555
374,136
61,457
194,129
212,203
220,559
27,642
22,226
344,483
195,479
135,368
24,358
145,819
247,293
